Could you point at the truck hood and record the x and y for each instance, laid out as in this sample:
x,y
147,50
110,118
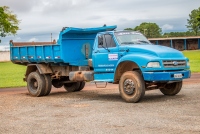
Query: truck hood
x,y
156,50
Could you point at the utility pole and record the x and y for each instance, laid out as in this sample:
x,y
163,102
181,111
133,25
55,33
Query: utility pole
x,y
51,37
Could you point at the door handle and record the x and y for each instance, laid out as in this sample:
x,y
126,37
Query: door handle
x,y
123,50
97,51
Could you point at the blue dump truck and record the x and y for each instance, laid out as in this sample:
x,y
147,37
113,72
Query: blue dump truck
x,y
102,54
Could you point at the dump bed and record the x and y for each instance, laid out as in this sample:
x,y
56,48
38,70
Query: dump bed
x,y
74,47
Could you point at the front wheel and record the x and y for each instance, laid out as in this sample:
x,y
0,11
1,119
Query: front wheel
x,y
131,86
172,88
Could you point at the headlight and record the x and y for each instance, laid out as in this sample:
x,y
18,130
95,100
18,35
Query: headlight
x,y
153,64
188,63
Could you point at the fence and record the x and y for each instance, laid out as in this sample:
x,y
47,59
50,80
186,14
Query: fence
x,y
180,43
4,56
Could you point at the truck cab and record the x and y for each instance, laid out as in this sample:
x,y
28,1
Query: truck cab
x,y
111,49
129,53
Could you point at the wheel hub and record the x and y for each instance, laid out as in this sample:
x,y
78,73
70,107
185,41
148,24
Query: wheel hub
x,y
35,84
129,86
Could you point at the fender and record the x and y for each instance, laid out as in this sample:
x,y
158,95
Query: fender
x,y
42,69
132,62
139,59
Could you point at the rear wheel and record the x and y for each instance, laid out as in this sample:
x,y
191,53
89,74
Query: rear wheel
x,y
71,87
172,88
82,85
36,84
57,83
131,86
48,86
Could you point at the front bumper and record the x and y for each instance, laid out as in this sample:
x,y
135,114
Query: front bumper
x,y
166,76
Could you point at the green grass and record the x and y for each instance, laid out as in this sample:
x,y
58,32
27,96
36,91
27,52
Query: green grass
x,y
11,75
194,57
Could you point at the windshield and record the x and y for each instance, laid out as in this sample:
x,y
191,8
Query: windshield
x,y
128,37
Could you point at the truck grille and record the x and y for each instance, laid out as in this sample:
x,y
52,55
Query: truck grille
x,y
174,63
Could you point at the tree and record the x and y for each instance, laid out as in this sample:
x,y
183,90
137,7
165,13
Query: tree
x,y
131,29
198,19
179,34
150,30
8,22
193,23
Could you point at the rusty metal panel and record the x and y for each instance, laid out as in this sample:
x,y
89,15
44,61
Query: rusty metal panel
x,y
32,43
90,62
81,76
44,69
84,68
87,50
61,70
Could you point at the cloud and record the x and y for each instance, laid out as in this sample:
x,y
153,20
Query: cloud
x,y
20,6
167,27
33,39
39,18
18,38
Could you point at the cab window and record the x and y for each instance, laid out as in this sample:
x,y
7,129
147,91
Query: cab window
x,y
106,41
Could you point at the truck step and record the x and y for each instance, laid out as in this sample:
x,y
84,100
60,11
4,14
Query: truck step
x,y
100,84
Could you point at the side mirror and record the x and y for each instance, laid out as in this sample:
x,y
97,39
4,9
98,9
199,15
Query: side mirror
x,y
100,40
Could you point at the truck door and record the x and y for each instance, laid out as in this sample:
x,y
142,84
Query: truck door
x,y
105,54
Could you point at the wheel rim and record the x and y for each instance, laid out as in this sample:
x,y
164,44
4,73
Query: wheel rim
x,y
129,87
34,84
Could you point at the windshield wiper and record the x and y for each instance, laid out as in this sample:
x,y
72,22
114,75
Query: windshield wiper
x,y
127,43
144,41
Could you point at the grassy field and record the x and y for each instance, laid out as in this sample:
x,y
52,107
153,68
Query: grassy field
x,y
11,75
194,57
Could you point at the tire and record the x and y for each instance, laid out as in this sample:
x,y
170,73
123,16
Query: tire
x,y
82,85
131,86
56,83
36,84
172,88
48,84
71,87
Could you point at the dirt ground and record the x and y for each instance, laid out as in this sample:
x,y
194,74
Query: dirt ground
x,y
97,110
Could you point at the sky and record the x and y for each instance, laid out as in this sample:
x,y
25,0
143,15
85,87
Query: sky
x,y
40,18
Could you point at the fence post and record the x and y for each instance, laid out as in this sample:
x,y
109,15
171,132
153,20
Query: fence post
x,y
171,43
185,44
